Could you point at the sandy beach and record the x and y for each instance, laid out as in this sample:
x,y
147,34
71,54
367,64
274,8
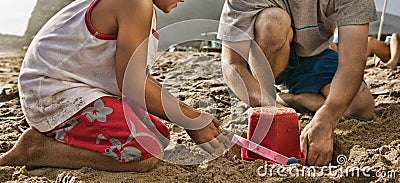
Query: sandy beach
x,y
196,79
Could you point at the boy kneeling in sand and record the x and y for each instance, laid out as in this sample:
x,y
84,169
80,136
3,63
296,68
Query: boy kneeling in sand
x,y
70,87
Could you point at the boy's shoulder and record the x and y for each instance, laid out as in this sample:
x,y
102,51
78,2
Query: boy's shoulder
x,y
130,10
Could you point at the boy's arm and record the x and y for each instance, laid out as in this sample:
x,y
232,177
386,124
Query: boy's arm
x,y
134,24
237,74
317,137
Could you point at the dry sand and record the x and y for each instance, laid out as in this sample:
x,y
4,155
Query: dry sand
x,y
196,79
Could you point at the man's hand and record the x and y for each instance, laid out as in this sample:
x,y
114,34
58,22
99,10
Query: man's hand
x,y
207,137
317,139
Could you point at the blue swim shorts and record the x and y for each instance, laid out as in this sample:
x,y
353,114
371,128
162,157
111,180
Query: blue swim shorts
x,y
309,74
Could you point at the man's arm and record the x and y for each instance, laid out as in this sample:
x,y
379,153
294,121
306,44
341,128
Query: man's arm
x,y
350,72
238,76
317,137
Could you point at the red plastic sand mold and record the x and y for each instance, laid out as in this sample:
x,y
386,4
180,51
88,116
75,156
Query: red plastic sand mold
x,y
273,136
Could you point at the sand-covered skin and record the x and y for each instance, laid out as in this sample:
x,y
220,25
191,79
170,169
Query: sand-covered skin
x,y
196,79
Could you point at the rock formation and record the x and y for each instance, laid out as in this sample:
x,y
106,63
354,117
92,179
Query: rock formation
x,y
43,11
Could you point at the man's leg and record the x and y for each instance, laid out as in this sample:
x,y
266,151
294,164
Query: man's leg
x,y
394,51
378,48
273,33
304,102
362,106
34,149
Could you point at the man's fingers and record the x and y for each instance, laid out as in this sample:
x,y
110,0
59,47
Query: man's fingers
x,y
304,144
323,159
328,159
320,161
311,157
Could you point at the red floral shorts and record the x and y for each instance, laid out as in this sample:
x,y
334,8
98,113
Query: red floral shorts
x,y
103,126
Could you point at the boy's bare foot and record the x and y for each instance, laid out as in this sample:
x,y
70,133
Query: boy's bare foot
x,y
27,150
34,150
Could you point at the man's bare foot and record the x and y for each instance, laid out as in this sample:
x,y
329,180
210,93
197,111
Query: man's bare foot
x,y
304,102
27,150
283,99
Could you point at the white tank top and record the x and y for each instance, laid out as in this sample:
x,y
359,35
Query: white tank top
x,y
68,65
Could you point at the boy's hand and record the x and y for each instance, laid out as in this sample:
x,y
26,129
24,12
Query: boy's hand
x,y
207,138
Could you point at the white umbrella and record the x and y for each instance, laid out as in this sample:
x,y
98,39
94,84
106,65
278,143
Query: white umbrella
x,y
381,23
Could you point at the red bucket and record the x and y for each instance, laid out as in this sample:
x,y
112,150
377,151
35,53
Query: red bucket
x,y
283,136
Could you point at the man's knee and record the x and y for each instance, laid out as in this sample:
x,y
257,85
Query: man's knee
x,y
273,28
